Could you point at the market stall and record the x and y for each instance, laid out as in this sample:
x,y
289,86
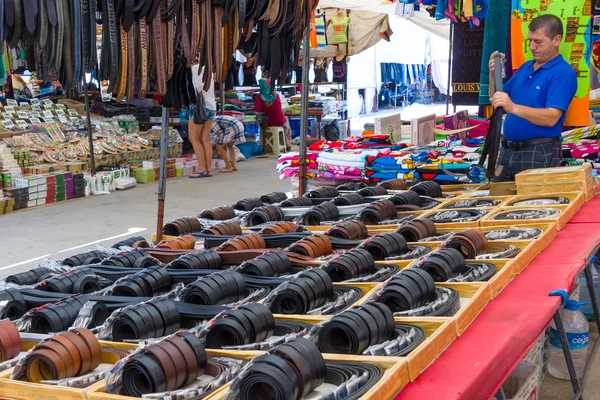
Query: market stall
x,y
249,288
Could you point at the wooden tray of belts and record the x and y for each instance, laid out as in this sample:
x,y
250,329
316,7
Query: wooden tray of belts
x,y
439,334
22,390
558,214
395,373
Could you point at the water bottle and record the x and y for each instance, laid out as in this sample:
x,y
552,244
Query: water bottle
x,y
577,329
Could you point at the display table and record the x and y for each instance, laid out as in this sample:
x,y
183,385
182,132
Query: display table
x,y
478,362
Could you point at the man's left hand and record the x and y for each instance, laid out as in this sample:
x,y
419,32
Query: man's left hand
x,y
501,99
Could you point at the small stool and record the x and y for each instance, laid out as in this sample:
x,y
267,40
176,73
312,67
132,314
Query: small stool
x,y
275,140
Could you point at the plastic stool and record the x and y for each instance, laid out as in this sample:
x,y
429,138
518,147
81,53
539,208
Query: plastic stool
x,y
275,140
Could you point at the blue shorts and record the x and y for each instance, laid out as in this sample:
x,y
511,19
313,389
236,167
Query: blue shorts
x,y
210,114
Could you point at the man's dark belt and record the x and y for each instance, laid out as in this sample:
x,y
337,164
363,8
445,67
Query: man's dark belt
x,y
528,143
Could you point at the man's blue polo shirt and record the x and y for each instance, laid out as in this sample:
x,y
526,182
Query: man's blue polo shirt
x,y
552,85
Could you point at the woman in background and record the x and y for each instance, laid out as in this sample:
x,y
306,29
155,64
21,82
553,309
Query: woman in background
x,y
199,134
269,102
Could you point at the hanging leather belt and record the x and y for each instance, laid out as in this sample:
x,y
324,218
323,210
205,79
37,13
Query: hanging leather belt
x,y
110,52
143,58
60,33
122,78
131,64
18,22
159,55
77,33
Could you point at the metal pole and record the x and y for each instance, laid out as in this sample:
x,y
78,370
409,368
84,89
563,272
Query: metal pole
x,y
89,127
222,85
304,111
564,343
162,180
450,45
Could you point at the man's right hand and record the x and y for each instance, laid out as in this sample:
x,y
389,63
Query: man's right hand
x,y
491,64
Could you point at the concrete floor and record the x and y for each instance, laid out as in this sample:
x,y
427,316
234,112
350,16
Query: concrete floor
x,y
59,230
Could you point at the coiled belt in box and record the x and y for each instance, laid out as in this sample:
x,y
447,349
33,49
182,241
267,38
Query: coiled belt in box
x,y
170,364
64,355
467,215
10,341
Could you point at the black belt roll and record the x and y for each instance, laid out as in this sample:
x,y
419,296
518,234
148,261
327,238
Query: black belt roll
x,y
289,371
218,288
271,263
30,277
248,324
205,259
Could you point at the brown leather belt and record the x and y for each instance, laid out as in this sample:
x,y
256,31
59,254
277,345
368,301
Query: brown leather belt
x,y
170,364
159,56
122,79
143,58
65,355
131,63
10,341
182,242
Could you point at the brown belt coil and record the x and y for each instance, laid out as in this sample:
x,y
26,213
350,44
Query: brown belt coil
x,y
10,341
64,355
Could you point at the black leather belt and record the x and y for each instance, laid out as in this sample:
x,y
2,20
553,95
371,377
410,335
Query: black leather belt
x,y
248,324
385,245
428,188
30,277
289,371
528,143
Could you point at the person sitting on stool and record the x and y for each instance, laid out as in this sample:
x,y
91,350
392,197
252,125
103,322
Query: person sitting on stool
x,y
227,131
535,99
269,102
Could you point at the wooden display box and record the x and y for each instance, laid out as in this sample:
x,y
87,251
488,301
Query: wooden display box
x,y
556,187
459,188
576,199
96,391
500,188
505,273
21,390
458,226
529,250
473,299
449,202
555,175
560,220
439,333
394,379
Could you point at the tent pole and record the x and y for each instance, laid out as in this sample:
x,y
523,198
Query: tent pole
x,y
162,180
304,110
222,99
451,44
89,127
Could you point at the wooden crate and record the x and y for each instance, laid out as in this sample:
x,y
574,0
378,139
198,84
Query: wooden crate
x,y
500,188
460,225
449,202
556,187
473,298
440,333
395,374
575,198
554,175
560,220
96,391
459,188
20,390
505,273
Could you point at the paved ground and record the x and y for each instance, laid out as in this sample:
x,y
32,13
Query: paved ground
x,y
59,230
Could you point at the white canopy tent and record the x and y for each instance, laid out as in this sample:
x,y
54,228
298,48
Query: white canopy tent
x,y
419,40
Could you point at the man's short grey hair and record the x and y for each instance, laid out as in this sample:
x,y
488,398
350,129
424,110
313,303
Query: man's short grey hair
x,y
551,25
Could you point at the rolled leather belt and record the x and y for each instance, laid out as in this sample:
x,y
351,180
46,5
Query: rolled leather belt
x,y
248,324
470,243
313,246
10,341
272,263
385,245
248,204
219,288
309,291
394,184
205,259
30,277
167,365
65,355
428,188
225,228
280,228
352,264
351,230
291,370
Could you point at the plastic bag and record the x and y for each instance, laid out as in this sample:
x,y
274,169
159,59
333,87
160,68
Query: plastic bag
x,y
331,131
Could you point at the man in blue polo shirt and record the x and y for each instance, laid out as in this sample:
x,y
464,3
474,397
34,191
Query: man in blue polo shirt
x,y
535,99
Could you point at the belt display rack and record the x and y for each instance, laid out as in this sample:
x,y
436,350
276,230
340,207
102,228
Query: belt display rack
x,y
226,307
